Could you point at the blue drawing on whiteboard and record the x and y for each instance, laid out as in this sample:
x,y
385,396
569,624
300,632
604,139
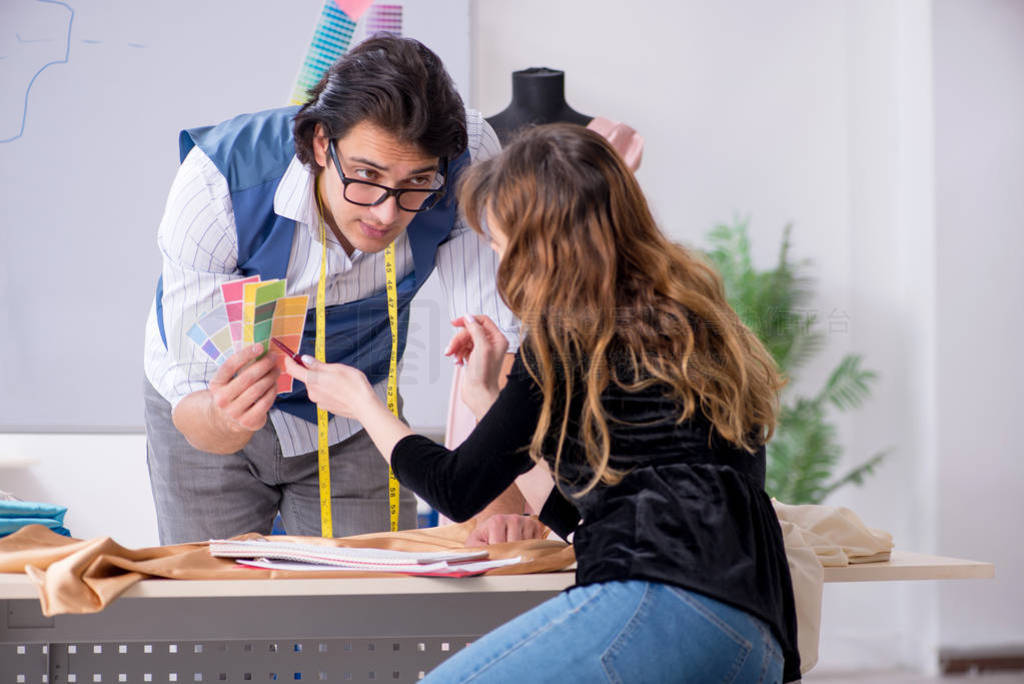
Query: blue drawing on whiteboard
x,y
34,35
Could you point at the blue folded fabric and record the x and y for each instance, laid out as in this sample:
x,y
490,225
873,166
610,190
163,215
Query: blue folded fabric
x,y
8,525
31,509
16,514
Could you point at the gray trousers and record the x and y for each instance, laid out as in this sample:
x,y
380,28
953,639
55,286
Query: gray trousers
x,y
202,496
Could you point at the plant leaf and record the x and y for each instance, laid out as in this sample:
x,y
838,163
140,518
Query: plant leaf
x,y
775,305
848,386
856,475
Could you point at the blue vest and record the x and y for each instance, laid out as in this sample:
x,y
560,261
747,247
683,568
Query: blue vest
x,y
253,151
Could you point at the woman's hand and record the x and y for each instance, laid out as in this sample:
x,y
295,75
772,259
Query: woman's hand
x,y
345,391
340,389
480,346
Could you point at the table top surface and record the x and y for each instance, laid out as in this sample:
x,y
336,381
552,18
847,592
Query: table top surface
x,y
909,565
904,565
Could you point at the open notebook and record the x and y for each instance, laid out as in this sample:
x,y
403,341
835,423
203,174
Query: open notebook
x,y
296,556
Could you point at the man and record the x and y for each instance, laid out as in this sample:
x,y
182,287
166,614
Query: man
x,y
369,160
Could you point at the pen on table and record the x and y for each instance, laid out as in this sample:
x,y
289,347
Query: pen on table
x,y
295,356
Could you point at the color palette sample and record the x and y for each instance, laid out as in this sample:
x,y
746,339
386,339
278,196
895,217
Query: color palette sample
x,y
213,335
331,39
233,305
253,312
384,18
258,301
353,8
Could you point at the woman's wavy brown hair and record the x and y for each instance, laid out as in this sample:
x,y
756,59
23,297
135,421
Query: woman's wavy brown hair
x,y
605,297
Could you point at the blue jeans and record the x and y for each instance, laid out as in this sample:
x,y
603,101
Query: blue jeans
x,y
630,631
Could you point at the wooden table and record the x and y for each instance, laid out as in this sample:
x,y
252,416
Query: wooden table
x,y
907,565
353,630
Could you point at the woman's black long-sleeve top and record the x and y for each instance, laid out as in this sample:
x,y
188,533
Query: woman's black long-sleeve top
x,y
688,512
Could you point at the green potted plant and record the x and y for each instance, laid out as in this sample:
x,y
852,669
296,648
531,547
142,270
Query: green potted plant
x,y
805,451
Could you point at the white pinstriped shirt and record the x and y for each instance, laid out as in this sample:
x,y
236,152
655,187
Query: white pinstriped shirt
x,y
199,246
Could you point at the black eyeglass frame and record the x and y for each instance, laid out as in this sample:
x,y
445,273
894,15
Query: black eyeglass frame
x,y
428,203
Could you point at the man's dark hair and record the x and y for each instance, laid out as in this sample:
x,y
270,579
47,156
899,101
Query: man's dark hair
x,y
395,83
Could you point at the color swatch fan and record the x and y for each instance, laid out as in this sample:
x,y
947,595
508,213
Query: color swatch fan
x,y
254,311
331,38
386,18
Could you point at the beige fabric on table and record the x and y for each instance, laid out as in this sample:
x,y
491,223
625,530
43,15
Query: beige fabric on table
x,y
808,581
837,535
817,537
84,576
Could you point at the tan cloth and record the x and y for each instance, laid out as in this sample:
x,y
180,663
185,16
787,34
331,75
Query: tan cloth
x,y
837,535
84,576
817,537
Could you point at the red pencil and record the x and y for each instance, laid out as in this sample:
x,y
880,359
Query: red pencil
x,y
297,358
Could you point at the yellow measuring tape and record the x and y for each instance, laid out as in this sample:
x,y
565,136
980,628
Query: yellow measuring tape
x,y
389,270
323,449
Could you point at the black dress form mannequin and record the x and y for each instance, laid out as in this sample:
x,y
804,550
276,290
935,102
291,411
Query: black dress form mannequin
x,y
538,97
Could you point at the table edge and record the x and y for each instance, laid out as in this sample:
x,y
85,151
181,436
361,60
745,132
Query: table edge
x,y
903,566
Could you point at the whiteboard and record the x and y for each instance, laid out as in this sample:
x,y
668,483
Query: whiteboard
x,y
94,94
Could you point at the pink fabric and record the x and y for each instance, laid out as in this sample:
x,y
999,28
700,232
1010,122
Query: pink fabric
x,y
461,422
460,419
624,139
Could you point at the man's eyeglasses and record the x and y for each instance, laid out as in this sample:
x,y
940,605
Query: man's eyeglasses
x,y
367,194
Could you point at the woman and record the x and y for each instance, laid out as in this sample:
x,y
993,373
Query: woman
x,y
649,401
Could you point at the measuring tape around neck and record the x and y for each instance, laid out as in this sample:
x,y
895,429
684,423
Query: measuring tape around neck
x,y
323,449
389,270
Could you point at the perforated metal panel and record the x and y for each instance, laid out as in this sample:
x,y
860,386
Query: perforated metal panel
x,y
248,660
257,639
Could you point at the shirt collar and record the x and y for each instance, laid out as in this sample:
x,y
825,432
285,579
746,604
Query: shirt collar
x,y
294,197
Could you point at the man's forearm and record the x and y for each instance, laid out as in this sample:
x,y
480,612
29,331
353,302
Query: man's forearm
x,y
194,418
535,485
509,501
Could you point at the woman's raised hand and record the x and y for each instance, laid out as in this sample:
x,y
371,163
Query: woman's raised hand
x,y
480,346
335,387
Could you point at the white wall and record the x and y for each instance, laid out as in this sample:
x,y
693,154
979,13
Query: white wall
x,y
102,479
979,172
